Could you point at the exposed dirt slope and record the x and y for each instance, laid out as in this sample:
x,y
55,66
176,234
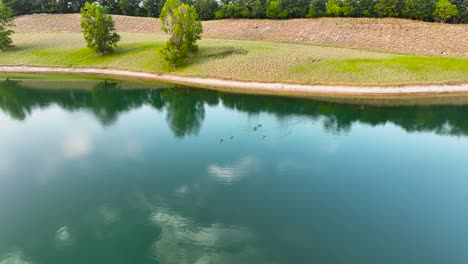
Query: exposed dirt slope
x,y
394,35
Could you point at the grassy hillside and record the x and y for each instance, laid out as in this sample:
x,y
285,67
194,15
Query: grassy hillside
x,y
242,60
392,35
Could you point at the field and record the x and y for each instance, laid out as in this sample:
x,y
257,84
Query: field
x,y
247,60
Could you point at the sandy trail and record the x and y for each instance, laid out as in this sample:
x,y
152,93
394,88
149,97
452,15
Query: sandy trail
x,y
274,88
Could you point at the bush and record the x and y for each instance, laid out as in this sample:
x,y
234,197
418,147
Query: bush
x,y
182,23
6,22
98,28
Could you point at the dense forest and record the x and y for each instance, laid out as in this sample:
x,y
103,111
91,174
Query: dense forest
x,y
427,10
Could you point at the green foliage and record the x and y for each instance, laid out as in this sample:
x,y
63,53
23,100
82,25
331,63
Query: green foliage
x,y
333,8
182,23
389,8
98,28
153,7
419,9
6,23
462,6
206,8
445,10
129,7
319,7
295,8
348,7
275,10
232,11
258,10
311,12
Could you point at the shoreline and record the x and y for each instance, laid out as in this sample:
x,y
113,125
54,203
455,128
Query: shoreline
x,y
249,87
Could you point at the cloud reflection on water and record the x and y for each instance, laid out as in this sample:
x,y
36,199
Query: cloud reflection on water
x,y
231,173
184,241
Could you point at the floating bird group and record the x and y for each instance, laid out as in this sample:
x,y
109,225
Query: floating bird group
x,y
254,129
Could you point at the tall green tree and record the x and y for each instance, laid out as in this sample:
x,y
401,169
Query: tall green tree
x,y
129,7
296,8
348,7
153,7
318,7
182,23
98,28
419,9
206,8
333,8
389,8
6,23
365,8
462,7
445,10
275,9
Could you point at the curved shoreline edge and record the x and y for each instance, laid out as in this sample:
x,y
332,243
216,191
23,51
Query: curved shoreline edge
x,y
239,86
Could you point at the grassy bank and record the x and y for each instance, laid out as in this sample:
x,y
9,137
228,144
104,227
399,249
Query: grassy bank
x,y
243,60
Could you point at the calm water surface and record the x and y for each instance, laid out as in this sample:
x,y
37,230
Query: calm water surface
x,y
101,173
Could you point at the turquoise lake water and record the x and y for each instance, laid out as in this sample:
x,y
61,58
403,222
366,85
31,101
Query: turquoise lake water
x,y
115,172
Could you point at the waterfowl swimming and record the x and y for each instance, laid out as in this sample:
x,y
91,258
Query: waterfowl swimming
x,y
221,140
232,137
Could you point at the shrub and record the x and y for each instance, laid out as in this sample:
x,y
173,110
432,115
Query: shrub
x,y
98,28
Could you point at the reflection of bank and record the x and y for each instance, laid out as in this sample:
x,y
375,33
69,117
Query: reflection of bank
x,y
186,107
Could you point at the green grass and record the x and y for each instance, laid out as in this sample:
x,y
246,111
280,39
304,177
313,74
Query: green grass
x,y
242,60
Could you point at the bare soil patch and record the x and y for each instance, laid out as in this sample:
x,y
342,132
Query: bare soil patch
x,y
391,35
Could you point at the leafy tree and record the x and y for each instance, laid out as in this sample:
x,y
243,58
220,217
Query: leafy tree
x,y
98,28
129,7
319,7
389,8
419,9
311,12
295,8
258,9
445,10
348,7
275,10
365,8
206,8
112,6
153,7
6,23
333,8
182,23
462,6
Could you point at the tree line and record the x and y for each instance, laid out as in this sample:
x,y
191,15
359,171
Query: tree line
x,y
454,11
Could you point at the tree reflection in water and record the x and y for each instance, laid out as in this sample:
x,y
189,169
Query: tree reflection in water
x,y
186,107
